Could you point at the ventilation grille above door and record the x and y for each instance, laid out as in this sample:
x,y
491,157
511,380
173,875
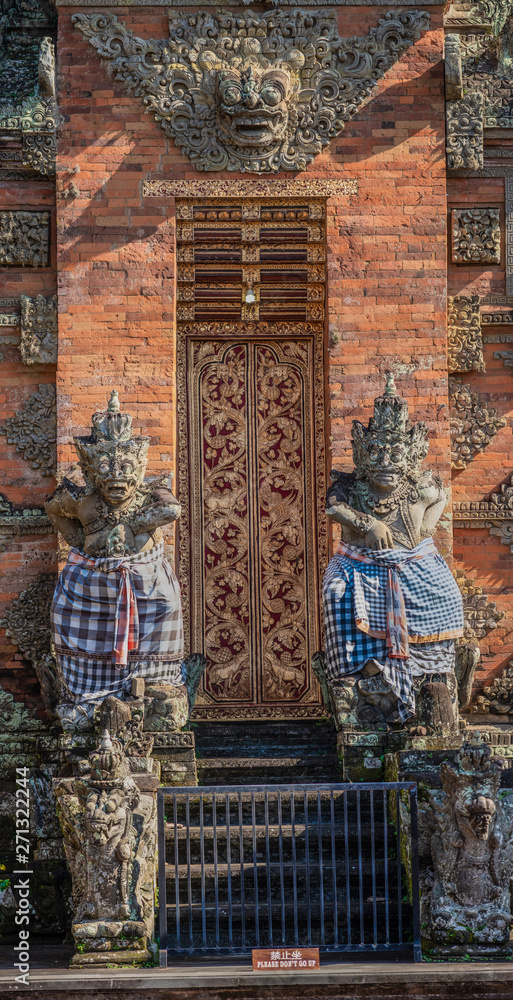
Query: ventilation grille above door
x,y
252,260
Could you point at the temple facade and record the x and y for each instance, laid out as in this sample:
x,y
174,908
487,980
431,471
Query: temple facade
x,y
245,221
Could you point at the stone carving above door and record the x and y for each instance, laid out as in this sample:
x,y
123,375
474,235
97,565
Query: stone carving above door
x,y
249,91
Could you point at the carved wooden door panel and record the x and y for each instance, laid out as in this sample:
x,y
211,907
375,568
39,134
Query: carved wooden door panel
x,y
254,546
252,462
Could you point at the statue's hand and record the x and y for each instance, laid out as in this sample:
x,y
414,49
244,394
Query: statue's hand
x,y
379,536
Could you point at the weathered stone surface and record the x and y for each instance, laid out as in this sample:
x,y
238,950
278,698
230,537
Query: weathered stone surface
x,y
34,430
39,329
288,75
27,623
476,236
108,818
464,132
473,423
464,337
466,829
24,239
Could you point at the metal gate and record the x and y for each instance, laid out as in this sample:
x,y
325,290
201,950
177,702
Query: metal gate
x,y
333,866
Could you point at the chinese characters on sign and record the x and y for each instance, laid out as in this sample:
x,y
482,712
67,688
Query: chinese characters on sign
x,y
285,958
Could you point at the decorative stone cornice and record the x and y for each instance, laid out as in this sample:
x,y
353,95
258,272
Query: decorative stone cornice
x,y
473,423
286,73
39,329
262,188
34,430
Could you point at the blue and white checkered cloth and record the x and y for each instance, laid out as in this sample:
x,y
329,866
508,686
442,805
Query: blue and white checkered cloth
x,y
357,591
86,618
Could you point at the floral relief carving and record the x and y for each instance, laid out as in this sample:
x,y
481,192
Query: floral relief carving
x,y
39,329
473,423
464,336
27,624
464,132
476,236
480,616
249,91
33,430
24,239
496,698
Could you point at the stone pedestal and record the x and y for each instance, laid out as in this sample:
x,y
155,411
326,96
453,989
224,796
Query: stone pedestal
x,y
175,752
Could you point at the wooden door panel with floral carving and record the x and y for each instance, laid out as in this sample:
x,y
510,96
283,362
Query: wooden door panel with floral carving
x,y
252,464
254,597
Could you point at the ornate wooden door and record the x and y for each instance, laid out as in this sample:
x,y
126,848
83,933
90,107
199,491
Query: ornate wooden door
x,y
253,529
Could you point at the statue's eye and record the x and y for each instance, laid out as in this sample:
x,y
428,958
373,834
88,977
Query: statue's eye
x,y
103,466
271,95
374,454
127,468
110,806
232,95
397,455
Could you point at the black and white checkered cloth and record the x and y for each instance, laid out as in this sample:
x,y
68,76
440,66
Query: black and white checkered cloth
x,y
358,590
86,618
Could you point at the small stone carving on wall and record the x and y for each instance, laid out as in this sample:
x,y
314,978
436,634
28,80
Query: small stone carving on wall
x,y
464,132
473,423
38,151
496,698
251,91
34,430
466,828
480,617
476,236
24,239
464,336
39,329
27,624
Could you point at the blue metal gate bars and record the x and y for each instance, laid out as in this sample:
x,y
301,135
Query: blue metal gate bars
x,y
333,866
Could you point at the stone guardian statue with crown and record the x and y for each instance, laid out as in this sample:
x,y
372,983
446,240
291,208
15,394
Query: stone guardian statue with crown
x,y
392,607
116,612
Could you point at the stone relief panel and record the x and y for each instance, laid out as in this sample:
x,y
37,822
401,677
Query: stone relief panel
x,y
473,423
466,833
33,430
252,92
24,239
480,617
464,132
464,336
489,15
496,698
27,624
39,329
476,236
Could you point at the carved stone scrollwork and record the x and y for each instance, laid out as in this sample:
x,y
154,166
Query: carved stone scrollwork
x,y
496,698
465,341
480,616
27,624
24,239
476,236
466,836
464,131
34,430
252,92
38,151
39,329
473,423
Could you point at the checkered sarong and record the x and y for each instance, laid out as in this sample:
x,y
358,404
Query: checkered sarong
x,y
401,608
114,619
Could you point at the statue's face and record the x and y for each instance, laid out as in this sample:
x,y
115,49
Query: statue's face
x,y
116,476
481,815
387,465
252,106
106,815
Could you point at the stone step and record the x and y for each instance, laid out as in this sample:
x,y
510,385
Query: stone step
x,y
313,769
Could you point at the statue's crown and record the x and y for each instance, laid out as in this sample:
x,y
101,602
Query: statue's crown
x,y
390,413
111,424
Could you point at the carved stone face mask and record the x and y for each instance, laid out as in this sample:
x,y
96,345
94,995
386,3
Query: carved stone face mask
x,y
252,106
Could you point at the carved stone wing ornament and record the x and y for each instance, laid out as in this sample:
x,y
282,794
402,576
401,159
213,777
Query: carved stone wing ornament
x,y
249,91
